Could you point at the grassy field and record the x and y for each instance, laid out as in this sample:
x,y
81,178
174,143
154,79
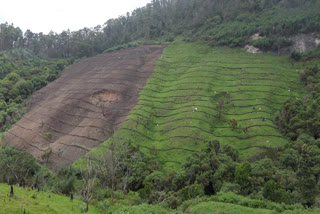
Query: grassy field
x,y
41,202
218,207
177,109
230,203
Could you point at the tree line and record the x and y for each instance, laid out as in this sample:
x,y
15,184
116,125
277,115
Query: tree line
x,y
289,176
216,21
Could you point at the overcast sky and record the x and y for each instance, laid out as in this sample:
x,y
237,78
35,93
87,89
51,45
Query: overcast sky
x,y
58,15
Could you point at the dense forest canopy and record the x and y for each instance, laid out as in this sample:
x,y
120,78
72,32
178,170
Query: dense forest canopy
x,y
21,74
217,21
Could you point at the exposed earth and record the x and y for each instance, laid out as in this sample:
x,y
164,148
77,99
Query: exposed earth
x,y
84,107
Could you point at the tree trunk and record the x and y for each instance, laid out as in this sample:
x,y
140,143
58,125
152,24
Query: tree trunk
x,y
11,191
87,207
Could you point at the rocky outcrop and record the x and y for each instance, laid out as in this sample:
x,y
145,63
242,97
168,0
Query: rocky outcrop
x,y
300,43
305,42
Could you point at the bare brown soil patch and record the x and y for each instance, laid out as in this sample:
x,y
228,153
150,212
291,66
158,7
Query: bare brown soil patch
x,y
105,97
85,106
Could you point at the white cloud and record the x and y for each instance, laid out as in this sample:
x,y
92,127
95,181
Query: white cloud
x,y
58,15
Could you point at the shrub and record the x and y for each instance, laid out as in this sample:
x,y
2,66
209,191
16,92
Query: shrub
x,y
230,187
272,191
242,176
170,38
295,55
48,136
34,195
104,206
190,192
264,43
17,167
233,123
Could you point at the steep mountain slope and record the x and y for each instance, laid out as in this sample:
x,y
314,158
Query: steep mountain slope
x,y
84,107
178,109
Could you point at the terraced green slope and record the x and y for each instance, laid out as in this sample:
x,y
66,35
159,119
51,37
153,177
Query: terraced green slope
x,y
177,109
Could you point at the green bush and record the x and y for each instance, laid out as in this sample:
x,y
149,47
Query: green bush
x,y
17,167
104,206
48,136
230,187
264,43
170,38
295,55
272,191
190,192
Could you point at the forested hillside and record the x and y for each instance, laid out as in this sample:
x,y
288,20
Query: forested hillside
x,y
21,74
214,129
218,22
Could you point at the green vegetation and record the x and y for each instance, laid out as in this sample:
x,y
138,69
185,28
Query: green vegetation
x,y
204,124
218,22
206,118
220,208
217,207
32,201
17,167
216,130
21,74
177,110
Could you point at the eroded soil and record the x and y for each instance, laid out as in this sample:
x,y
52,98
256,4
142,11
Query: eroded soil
x,y
85,106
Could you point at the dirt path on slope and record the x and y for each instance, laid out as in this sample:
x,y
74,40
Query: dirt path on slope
x,y
85,106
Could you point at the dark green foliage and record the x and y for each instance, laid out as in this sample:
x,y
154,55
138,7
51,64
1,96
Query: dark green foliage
x,y
242,177
17,167
233,123
302,116
261,171
268,43
299,120
219,22
295,55
140,169
44,180
66,179
203,173
21,74
190,192
272,191
308,173
264,43
311,55
211,167
290,158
